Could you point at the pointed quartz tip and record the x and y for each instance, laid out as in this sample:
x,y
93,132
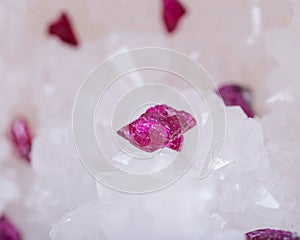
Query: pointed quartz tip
x,y
270,234
160,126
235,95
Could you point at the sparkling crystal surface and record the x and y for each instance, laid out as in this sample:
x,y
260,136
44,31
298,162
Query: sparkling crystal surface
x,y
160,126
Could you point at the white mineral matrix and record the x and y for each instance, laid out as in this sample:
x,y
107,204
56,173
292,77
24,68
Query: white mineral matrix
x,y
46,193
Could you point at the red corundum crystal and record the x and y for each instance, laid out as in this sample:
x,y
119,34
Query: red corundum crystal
x,y
8,231
271,234
160,126
234,95
21,137
173,11
63,29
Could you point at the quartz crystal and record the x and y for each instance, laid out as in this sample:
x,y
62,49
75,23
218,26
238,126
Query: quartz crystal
x,y
54,188
160,126
255,182
63,29
205,209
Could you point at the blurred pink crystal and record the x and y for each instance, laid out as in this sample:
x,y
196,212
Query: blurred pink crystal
x,y
21,138
160,126
7,230
234,95
63,29
271,234
173,11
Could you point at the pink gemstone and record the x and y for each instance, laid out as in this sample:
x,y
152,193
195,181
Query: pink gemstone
x,y
271,234
21,138
173,11
234,95
63,29
8,231
160,126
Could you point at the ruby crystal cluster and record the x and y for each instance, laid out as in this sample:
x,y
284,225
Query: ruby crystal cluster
x,y
234,95
160,126
7,230
63,29
21,138
271,234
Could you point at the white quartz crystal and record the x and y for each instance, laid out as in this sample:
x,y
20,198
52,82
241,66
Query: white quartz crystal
x,y
242,194
255,182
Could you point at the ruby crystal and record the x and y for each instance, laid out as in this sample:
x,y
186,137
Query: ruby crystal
x,y
21,138
173,11
63,29
8,231
271,234
160,126
234,95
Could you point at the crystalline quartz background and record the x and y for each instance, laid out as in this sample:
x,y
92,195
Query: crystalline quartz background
x,y
255,182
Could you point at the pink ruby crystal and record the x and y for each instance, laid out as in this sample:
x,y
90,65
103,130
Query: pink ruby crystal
x,y
173,11
234,95
63,29
8,231
271,234
21,138
160,126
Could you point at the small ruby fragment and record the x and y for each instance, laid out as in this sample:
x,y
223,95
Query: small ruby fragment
x,y
234,95
173,11
160,126
62,28
7,230
21,138
271,234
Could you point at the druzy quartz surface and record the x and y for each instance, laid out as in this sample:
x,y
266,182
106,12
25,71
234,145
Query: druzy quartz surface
x,y
160,126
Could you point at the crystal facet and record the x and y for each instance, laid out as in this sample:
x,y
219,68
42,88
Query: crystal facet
x,y
21,137
234,95
271,234
173,10
160,126
8,231
63,29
